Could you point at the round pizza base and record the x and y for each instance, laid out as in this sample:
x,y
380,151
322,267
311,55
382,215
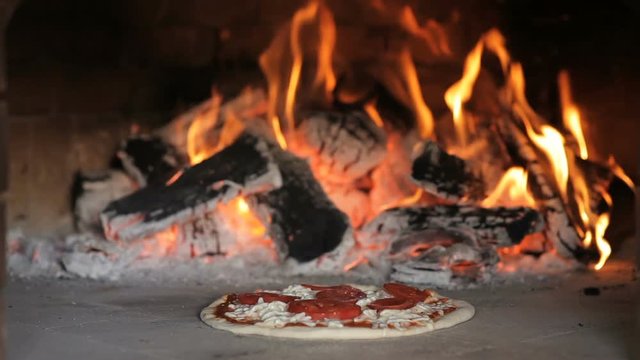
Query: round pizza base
x,y
464,312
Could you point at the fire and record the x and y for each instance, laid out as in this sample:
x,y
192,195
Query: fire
x,y
300,18
275,125
243,219
198,146
324,73
620,173
603,245
422,112
570,114
460,92
407,201
372,111
162,243
511,190
432,33
361,259
495,42
551,142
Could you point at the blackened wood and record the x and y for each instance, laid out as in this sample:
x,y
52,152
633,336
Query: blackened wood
x,y
246,167
342,145
304,222
498,226
559,227
445,176
150,160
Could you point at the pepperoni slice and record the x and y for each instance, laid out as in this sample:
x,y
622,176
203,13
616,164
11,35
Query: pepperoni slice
x,y
406,292
319,309
252,298
393,303
341,293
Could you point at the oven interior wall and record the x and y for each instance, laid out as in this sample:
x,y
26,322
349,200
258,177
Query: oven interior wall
x,y
81,73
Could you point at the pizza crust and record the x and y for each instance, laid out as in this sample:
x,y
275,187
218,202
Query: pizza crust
x,y
464,312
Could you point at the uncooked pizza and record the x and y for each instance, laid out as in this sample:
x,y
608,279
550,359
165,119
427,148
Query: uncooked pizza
x,y
336,312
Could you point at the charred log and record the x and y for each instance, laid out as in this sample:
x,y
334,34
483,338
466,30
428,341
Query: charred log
x,y
445,176
149,160
487,226
341,145
246,167
304,222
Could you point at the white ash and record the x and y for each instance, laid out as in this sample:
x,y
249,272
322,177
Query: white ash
x,y
97,190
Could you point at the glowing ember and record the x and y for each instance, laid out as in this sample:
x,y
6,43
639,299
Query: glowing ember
x,y
511,190
460,92
570,113
420,108
175,177
361,259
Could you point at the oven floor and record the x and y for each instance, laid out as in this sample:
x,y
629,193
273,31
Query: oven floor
x,y
91,320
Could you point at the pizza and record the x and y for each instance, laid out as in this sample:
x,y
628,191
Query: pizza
x,y
307,311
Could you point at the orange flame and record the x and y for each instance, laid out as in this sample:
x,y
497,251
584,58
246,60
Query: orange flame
x,y
570,113
495,43
619,172
511,190
432,33
422,112
324,73
198,148
460,92
372,111
300,18
275,125
249,230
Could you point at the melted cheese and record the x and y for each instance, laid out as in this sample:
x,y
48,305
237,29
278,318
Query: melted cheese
x,y
275,314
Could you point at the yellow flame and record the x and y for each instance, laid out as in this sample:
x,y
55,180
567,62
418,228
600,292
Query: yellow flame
x,y
325,73
551,143
495,43
372,111
570,113
240,216
603,245
198,146
460,92
277,131
511,190
300,18
407,201
422,112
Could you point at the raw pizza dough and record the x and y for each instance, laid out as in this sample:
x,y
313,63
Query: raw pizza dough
x,y
464,311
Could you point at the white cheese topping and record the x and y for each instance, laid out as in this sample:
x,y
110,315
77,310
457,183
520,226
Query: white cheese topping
x,y
275,314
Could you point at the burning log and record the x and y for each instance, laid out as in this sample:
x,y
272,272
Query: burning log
x,y
304,222
559,228
246,167
446,176
498,226
599,178
343,146
149,160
